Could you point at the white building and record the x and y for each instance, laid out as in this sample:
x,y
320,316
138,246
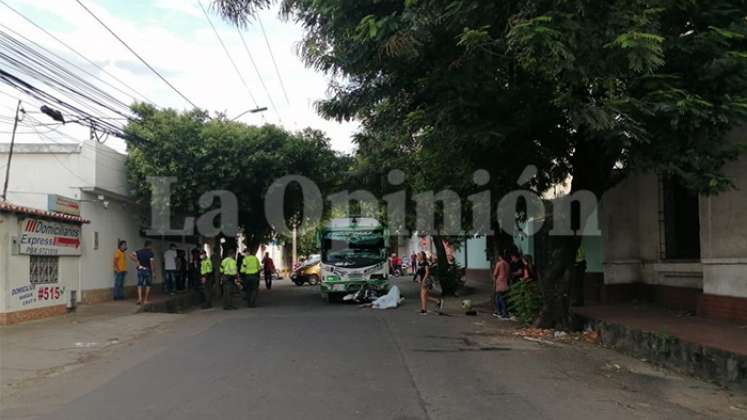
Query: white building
x,y
94,175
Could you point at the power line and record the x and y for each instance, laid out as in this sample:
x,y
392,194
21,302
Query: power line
x,y
259,75
137,55
63,43
31,62
274,63
228,54
63,59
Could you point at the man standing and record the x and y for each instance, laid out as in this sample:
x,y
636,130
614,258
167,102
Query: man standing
x,y
206,280
120,270
501,274
250,278
268,266
146,264
230,272
169,266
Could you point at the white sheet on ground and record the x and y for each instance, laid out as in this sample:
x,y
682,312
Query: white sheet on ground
x,y
388,301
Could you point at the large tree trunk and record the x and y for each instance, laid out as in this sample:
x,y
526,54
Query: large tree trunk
x,y
443,272
593,171
555,283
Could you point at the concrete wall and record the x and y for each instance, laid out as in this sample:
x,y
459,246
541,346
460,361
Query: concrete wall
x,y
723,235
85,171
37,169
16,291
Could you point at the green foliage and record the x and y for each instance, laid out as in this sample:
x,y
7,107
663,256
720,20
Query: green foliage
x,y
525,301
214,154
582,89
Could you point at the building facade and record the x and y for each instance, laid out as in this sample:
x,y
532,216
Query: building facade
x,y
94,177
678,249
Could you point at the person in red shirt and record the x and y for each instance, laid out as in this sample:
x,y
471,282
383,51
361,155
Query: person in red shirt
x,y
501,275
268,267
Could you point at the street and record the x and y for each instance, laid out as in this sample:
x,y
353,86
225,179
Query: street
x,y
298,357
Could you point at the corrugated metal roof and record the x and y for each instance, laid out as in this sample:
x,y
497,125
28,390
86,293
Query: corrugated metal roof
x,y
8,207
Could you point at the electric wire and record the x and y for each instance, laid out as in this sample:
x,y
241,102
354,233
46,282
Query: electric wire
x,y
274,63
142,60
228,54
76,52
259,74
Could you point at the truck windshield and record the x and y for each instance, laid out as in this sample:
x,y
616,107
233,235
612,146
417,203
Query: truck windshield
x,y
353,249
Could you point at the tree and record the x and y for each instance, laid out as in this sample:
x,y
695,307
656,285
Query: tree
x,y
215,154
583,89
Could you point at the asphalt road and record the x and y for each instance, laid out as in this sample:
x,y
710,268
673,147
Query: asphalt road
x,y
297,357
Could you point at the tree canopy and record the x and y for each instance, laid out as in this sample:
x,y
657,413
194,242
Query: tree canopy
x,y
206,154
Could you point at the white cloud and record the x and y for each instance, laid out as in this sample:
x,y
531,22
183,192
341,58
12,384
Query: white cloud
x,y
191,58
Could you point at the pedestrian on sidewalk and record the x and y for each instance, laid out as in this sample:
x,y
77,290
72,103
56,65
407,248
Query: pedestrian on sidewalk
x,y
424,276
517,265
181,270
146,267
169,267
249,271
205,289
268,266
120,270
530,272
230,272
501,274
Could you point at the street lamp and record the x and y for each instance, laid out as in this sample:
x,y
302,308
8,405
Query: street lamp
x,y
249,111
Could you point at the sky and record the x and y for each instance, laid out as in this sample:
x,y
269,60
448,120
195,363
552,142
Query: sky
x,y
175,37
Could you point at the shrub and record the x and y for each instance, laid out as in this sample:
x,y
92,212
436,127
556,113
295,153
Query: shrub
x,y
525,301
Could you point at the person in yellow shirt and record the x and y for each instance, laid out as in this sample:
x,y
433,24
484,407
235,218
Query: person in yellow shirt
x,y
230,272
120,270
205,288
250,267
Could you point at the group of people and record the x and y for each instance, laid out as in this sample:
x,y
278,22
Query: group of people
x,y
510,267
196,273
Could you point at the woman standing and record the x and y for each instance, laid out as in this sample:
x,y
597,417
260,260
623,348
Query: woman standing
x,y
530,273
424,276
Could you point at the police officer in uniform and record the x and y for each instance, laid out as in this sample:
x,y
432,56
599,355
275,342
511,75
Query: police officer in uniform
x,y
229,271
205,287
250,267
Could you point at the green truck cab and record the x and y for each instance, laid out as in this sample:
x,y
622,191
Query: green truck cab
x,y
354,254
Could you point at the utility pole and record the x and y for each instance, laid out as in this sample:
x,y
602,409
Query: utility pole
x,y
295,245
10,152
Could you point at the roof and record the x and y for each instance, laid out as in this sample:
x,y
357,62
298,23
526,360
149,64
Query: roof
x,y
7,207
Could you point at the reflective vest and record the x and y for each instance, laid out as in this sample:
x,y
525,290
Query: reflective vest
x,y
250,265
228,267
206,266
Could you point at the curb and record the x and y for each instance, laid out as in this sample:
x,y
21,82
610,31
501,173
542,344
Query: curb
x,y
722,367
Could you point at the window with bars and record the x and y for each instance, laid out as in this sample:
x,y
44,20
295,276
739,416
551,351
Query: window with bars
x,y
44,269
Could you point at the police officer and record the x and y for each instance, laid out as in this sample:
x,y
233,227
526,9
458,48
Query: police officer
x,y
205,288
250,267
230,272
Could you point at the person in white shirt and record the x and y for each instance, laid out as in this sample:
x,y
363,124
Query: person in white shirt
x,y
169,266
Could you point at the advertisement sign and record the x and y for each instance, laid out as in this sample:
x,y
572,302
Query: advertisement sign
x,y
61,204
43,237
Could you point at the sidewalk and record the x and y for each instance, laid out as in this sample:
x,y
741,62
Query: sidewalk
x,y
35,350
478,288
710,349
